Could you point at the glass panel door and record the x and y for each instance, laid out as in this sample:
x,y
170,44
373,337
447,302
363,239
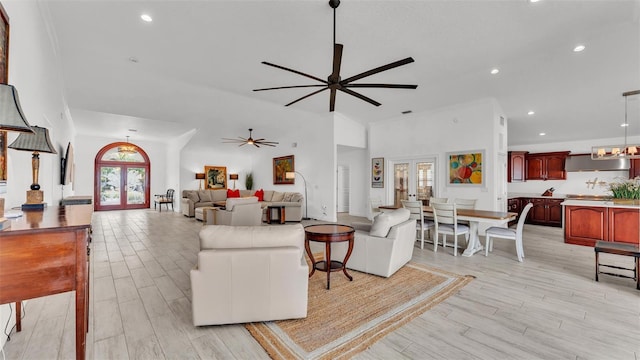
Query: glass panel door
x,y
400,183
110,189
136,185
413,180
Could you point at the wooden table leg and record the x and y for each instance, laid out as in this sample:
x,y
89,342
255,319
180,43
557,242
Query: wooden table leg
x,y
597,264
344,262
18,316
282,215
310,255
638,273
327,252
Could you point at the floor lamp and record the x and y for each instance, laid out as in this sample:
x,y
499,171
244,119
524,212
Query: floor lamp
x,y
292,175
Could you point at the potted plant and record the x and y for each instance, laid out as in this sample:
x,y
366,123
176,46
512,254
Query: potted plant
x,y
626,191
248,181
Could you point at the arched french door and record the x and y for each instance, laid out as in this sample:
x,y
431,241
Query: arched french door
x,y
121,177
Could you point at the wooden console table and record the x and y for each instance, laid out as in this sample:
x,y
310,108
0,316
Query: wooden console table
x,y
47,252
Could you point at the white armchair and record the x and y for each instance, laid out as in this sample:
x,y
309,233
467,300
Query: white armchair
x,y
248,274
239,212
383,247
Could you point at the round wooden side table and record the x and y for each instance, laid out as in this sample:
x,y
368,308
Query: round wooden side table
x,y
329,233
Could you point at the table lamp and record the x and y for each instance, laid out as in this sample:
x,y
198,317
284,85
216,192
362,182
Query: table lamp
x,y
11,119
200,176
233,177
38,142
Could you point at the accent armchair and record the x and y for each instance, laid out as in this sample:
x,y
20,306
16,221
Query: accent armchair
x,y
383,247
239,211
248,274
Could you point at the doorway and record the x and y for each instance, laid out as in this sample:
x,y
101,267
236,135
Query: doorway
x,y
413,179
121,178
342,203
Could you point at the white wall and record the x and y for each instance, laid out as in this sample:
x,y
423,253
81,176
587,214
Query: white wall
x,y
576,181
463,127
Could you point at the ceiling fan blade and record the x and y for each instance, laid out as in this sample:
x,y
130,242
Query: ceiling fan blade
x,y
337,61
382,68
306,96
289,87
256,145
243,144
295,72
360,96
389,86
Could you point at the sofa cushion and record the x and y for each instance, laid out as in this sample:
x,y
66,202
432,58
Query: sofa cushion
x,y
233,193
268,195
193,196
297,197
246,193
277,196
259,194
205,195
287,196
238,237
218,195
383,222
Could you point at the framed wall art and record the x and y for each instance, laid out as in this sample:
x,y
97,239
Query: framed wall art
x,y
466,168
4,46
281,166
377,172
216,177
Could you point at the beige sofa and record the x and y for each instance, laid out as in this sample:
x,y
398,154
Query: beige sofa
x,y
248,274
193,199
237,212
383,247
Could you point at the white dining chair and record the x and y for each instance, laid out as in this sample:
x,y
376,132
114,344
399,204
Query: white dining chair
x,y
465,203
446,223
374,204
509,234
440,200
422,225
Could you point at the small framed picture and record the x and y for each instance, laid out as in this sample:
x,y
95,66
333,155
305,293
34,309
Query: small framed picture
x,y
215,177
377,172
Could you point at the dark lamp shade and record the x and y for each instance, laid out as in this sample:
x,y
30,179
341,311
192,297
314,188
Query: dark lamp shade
x,y
11,115
38,142
233,176
200,176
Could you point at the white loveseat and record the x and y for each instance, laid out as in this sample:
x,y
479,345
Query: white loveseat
x,y
383,247
249,273
193,199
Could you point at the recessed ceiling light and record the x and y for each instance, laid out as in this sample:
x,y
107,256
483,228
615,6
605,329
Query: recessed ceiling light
x,y
146,17
133,59
578,48
533,1
133,130
542,134
531,112
624,125
494,71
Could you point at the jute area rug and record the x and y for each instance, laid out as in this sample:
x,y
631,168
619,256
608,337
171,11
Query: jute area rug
x,y
353,315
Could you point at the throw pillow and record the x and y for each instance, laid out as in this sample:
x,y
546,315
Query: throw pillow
x,y
384,221
277,196
260,195
287,197
233,193
193,196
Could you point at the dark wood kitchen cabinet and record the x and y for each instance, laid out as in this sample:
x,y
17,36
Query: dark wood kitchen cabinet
x,y
546,212
513,205
585,225
634,168
516,166
546,166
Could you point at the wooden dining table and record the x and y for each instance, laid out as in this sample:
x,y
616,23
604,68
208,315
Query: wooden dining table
x,y
474,217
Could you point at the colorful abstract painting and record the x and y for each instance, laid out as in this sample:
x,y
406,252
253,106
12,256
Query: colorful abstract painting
x,y
465,168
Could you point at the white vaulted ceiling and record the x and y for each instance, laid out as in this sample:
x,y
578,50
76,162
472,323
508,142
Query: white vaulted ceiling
x,y
198,61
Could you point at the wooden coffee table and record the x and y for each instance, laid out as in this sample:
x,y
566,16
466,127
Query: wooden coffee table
x,y
329,233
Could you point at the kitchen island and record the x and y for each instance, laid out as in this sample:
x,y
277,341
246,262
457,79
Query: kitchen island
x,y
589,221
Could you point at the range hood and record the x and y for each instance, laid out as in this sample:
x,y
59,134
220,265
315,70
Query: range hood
x,y
585,163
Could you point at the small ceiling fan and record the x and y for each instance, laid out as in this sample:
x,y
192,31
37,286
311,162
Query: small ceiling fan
x,y
335,82
250,141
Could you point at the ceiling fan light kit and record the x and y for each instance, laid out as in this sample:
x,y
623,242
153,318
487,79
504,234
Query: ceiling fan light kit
x,y
250,141
334,82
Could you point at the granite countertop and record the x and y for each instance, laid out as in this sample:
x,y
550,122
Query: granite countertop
x,y
597,203
534,195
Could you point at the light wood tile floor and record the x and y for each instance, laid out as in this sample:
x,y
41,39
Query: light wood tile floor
x,y
548,307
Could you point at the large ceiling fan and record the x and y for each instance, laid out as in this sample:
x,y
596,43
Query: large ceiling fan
x,y
335,82
250,141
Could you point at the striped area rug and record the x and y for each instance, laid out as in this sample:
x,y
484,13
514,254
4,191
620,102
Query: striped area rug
x,y
353,315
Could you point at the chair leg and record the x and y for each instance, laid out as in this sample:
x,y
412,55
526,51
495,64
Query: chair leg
x,y
455,245
435,242
487,245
